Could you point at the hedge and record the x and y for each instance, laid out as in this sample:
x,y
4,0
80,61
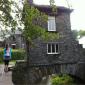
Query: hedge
x,y
17,54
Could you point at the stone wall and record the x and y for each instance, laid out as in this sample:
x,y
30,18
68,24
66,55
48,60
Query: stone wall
x,y
19,73
35,73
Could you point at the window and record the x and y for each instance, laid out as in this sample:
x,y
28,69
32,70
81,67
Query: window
x,y
52,48
51,23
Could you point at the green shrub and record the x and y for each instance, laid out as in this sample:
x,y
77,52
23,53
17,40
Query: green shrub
x,y
62,80
1,56
17,54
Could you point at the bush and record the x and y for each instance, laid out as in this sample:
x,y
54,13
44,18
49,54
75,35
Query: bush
x,y
17,54
62,80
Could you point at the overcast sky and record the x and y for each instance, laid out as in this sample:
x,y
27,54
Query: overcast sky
x,y
77,16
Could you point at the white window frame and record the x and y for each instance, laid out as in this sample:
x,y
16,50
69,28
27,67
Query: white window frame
x,y
52,18
51,48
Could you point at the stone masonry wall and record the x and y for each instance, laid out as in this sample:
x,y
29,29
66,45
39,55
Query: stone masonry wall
x,y
68,46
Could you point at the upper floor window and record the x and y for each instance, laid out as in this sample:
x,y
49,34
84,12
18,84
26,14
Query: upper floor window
x,y
51,23
52,48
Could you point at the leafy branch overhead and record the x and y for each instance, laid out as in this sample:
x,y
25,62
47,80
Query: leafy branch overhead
x,y
5,12
6,18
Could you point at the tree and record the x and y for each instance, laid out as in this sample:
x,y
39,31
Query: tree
x,y
81,33
32,19
5,9
78,34
33,30
52,4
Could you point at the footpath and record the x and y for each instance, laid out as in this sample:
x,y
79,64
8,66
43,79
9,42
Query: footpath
x,y
5,77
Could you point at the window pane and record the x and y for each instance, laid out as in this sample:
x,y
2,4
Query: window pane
x,y
53,48
49,48
51,24
56,47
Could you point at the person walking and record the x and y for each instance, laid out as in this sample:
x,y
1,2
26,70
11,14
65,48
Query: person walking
x,y
7,57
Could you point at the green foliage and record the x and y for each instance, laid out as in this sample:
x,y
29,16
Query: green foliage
x,y
6,17
78,34
17,54
62,80
5,8
81,33
31,30
52,4
5,13
37,31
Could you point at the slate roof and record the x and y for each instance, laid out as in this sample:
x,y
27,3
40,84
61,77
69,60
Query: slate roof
x,y
49,8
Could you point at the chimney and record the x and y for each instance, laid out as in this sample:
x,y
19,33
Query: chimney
x,y
30,2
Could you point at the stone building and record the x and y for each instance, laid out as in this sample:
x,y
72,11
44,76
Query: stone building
x,y
15,40
63,55
65,49
59,50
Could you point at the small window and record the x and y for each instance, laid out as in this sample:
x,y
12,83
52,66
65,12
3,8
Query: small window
x,y
49,48
51,24
52,48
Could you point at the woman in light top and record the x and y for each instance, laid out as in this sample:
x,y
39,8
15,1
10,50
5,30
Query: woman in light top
x,y
7,56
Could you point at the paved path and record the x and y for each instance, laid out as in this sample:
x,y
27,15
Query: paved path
x,y
5,78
